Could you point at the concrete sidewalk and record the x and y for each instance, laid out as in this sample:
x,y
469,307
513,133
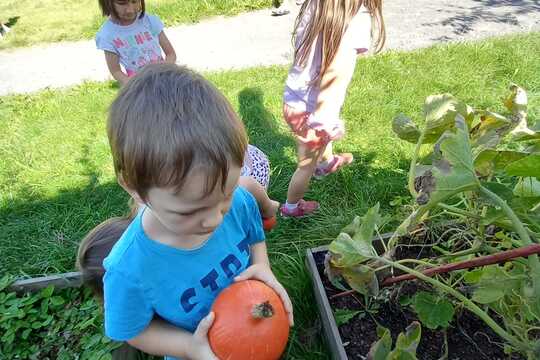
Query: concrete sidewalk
x,y
256,38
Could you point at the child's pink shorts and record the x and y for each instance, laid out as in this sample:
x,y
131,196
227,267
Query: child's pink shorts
x,y
308,130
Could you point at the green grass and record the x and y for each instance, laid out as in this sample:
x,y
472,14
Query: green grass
x,y
39,21
56,178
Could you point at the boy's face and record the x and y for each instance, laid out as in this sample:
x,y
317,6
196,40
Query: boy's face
x,y
127,10
190,215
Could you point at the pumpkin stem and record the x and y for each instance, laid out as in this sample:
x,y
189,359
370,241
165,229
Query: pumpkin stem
x,y
264,310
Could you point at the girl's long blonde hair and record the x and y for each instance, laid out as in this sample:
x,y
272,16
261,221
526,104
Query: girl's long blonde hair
x,y
330,20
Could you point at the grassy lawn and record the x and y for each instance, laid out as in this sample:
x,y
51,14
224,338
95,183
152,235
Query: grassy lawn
x,y
57,20
56,176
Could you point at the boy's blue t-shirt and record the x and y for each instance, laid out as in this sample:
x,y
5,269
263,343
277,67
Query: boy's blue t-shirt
x,y
144,278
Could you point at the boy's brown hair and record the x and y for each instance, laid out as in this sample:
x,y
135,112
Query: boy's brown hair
x,y
168,121
107,8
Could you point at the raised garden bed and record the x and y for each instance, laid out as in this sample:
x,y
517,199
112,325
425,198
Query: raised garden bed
x,y
59,281
467,337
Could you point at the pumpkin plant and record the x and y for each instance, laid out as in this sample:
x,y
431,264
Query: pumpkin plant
x,y
481,177
251,323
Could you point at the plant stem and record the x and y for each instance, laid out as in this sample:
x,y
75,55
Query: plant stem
x,y
467,302
518,226
445,355
412,168
403,261
403,227
459,211
477,245
442,251
534,263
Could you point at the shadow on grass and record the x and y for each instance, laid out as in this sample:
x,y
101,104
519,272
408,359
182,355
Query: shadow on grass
x,y
264,133
491,11
39,235
262,126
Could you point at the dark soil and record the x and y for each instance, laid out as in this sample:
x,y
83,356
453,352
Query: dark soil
x,y
468,337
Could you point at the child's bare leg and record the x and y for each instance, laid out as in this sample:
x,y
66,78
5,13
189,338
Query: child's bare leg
x,y
307,161
267,206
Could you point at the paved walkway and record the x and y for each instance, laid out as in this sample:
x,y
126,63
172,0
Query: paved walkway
x,y
257,38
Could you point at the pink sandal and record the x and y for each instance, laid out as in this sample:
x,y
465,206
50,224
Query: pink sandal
x,y
304,208
337,162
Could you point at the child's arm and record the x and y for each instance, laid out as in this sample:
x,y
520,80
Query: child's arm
x,y
260,270
161,338
267,206
113,63
170,54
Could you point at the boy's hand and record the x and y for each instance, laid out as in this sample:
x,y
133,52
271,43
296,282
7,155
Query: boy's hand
x,y
201,348
263,273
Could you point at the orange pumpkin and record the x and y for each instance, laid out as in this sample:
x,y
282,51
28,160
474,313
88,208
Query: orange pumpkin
x,y
269,223
250,323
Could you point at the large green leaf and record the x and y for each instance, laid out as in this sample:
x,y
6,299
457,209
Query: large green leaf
x,y
500,189
362,279
528,166
491,129
405,128
353,227
349,251
344,252
473,276
333,273
490,161
347,254
440,112
527,187
517,104
433,311
363,238
494,284
453,171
